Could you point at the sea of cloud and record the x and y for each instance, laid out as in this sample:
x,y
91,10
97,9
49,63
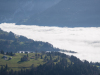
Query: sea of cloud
x,y
84,40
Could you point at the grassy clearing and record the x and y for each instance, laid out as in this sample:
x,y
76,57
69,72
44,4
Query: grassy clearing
x,y
16,64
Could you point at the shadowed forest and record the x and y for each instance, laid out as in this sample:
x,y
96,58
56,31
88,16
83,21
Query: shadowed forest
x,y
55,63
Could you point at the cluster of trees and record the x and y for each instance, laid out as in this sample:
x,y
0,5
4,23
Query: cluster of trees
x,y
2,52
12,36
76,67
10,53
7,53
96,64
11,42
25,58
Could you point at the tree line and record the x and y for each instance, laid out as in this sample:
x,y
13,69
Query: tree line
x,y
76,67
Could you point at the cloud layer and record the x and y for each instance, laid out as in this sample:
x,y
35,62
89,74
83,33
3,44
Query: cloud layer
x,y
85,41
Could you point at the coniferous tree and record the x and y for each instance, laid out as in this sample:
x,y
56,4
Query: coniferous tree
x,y
41,57
2,52
50,57
11,54
1,70
27,55
7,53
6,67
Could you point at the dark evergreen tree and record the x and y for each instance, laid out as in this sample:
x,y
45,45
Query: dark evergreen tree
x,y
7,53
41,57
11,54
2,52
27,55
50,57
6,67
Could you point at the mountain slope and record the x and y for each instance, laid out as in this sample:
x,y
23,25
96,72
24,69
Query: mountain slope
x,y
11,42
15,10
71,13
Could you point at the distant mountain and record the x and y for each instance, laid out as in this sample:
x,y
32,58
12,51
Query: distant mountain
x,y
70,13
14,11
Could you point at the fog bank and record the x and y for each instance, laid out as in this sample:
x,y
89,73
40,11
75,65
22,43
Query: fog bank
x,y
85,41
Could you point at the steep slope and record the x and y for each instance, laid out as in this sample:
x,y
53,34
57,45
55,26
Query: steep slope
x,y
16,10
71,13
12,42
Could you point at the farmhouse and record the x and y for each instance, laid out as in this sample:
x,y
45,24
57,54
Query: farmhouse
x,y
23,52
27,52
5,57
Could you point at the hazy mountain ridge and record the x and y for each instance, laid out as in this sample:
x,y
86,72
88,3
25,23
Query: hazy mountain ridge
x,y
72,13
69,13
15,10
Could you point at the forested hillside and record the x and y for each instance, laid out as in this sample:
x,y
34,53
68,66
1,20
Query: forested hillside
x,y
52,63
11,42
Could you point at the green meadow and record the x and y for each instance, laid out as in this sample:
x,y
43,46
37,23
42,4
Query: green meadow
x,y
16,64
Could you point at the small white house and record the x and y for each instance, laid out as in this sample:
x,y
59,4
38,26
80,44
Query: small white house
x,y
21,52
